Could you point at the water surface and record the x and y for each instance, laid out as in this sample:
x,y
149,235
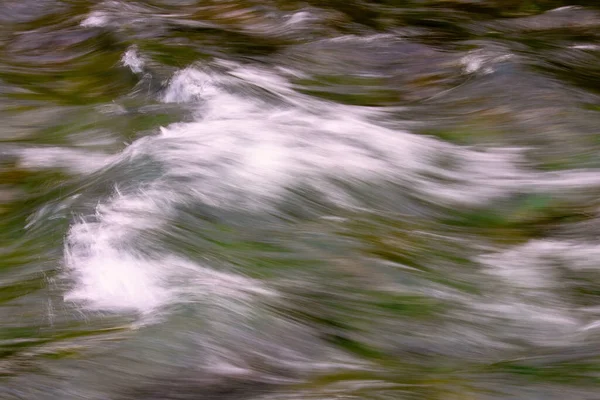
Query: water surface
x,y
299,200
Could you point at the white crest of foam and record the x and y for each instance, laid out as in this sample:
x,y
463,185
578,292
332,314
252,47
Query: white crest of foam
x,y
132,59
262,148
188,85
531,265
363,38
525,266
585,46
95,19
532,293
299,17
564,8
110,274
113,279
75,160
242,151
117,281
480,61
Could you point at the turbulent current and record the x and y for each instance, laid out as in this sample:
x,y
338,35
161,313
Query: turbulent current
x,y
299,200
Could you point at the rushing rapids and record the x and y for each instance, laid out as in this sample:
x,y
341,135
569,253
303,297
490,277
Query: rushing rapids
x,y
299,200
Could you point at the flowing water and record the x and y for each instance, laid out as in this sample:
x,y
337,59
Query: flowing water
x,y
285,200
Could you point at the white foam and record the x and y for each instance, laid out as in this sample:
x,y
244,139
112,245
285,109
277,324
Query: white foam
x,y
112,279
188,85
261,149
479,61
585,46
564,8
101,257
116,280
244,152
78,161
132,59
111,271
531,290
299,17
95,19
525,266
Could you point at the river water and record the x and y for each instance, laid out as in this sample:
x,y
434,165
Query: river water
x,y
285,200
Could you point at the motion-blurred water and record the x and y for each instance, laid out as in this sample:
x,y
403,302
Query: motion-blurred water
x,y
285,199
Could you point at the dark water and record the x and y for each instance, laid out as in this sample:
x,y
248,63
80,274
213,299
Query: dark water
x,y
299,199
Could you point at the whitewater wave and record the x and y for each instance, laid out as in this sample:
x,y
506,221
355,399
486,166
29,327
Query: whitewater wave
x,y
253,138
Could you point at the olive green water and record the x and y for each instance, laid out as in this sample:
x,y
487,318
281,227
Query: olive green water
x,y
299,199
